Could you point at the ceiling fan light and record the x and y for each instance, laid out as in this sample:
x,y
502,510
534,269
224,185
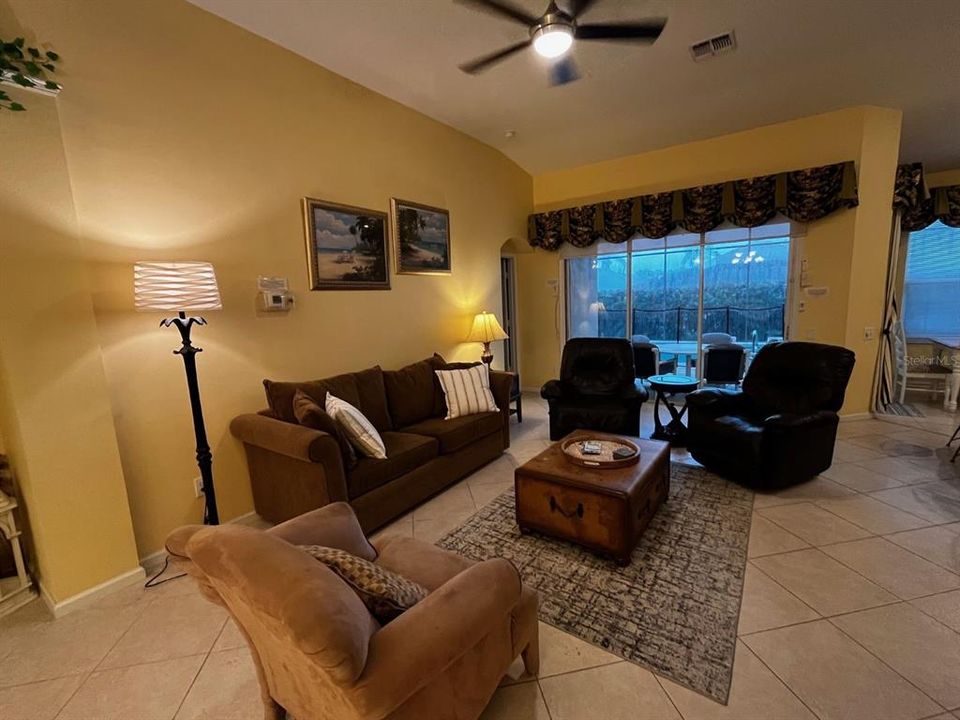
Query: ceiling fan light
x,y
552,41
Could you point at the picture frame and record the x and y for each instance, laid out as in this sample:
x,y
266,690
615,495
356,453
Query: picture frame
x,y
421,237
347,246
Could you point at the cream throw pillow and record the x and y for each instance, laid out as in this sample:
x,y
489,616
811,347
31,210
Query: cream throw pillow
x,y
360,431
467,391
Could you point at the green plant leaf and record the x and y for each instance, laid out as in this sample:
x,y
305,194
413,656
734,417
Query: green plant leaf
x,y
4,96
51,85
52,55
19,42
48,67
19,79
32,68
33,52
17,107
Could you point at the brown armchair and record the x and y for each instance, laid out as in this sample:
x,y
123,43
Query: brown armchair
x,y
318,651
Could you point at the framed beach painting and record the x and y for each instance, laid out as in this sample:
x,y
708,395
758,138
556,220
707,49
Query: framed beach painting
x,y
422,237
346,246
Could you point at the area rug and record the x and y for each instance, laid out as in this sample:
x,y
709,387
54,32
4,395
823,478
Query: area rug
x,y
674,609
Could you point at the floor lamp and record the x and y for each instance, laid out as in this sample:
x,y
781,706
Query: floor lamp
x,y
179,287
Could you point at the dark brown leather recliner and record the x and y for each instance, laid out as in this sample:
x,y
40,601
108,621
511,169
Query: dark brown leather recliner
x,y
780,429
597,389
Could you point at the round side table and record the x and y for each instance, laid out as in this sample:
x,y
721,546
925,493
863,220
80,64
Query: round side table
x,y
675,432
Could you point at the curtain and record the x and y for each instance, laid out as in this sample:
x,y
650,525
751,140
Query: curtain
x,y
885,377
920,206
801,195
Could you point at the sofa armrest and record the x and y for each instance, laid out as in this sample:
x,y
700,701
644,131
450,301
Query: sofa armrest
x,y
296,441
293,442
714,402
334,525
551,390
419,645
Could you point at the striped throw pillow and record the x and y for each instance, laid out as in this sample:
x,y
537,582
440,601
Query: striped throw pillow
x,y
467,391
360,431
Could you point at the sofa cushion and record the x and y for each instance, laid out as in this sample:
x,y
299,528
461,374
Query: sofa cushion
x,y
364,390
385,593
280,394
410,392
373,397
405,452
459,432
312,415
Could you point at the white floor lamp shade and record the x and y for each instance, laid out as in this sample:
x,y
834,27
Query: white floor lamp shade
x,y
175,286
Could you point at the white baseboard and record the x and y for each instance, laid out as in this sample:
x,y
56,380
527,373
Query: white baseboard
x,y
91,595
856,416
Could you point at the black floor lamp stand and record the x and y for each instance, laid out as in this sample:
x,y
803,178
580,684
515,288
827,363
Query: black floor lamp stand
x,y
204,457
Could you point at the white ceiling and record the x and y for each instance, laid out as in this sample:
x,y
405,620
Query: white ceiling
x,y
795,58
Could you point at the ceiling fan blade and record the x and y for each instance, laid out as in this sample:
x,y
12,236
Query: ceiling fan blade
x,y
563,71
482,63
576,8
501,9
645,31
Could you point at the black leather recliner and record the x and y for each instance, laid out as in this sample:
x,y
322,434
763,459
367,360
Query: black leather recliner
x,y
597,389
780,428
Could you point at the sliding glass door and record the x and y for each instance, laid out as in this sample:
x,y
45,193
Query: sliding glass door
x,y
729,285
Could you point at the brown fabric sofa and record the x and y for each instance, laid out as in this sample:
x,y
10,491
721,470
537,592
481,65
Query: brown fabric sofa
x,y
294,469
318,652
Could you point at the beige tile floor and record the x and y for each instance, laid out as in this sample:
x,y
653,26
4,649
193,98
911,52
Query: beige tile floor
x,y
851,610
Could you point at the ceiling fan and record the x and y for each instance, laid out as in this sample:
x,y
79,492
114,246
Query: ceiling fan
x,y
552,34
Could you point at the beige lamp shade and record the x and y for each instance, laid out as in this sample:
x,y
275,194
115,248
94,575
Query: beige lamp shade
x,y
175,286
486,329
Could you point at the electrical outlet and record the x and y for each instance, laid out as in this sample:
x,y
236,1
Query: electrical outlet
x,y
198,487
869,333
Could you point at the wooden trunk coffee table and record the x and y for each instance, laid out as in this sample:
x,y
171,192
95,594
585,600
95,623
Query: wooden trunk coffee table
x,y
605,510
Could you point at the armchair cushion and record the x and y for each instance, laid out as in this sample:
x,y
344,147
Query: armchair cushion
x,y
386,594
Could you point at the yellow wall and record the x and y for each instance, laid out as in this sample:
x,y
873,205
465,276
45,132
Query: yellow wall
x,y
189,138
869,136
54,407
944,177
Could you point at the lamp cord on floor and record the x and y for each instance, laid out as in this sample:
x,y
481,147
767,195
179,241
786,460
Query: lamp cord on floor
x,y
153,581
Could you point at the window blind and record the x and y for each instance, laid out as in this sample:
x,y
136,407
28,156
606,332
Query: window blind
x,y
931,286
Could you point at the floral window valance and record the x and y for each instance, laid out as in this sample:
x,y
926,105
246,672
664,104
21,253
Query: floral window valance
x,y
920,206
801,195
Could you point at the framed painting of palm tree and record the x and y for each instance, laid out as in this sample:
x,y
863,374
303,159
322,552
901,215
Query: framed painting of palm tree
x,y
346,246
422,237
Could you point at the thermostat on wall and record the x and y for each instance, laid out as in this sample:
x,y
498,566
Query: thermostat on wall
x,y
274,293
817,291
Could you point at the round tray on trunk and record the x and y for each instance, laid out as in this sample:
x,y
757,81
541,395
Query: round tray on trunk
x,y
573,452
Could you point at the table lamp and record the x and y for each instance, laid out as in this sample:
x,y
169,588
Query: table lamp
x,y
485,330
182,286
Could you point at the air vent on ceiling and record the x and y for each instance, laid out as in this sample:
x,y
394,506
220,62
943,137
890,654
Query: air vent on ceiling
x,y
719,45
